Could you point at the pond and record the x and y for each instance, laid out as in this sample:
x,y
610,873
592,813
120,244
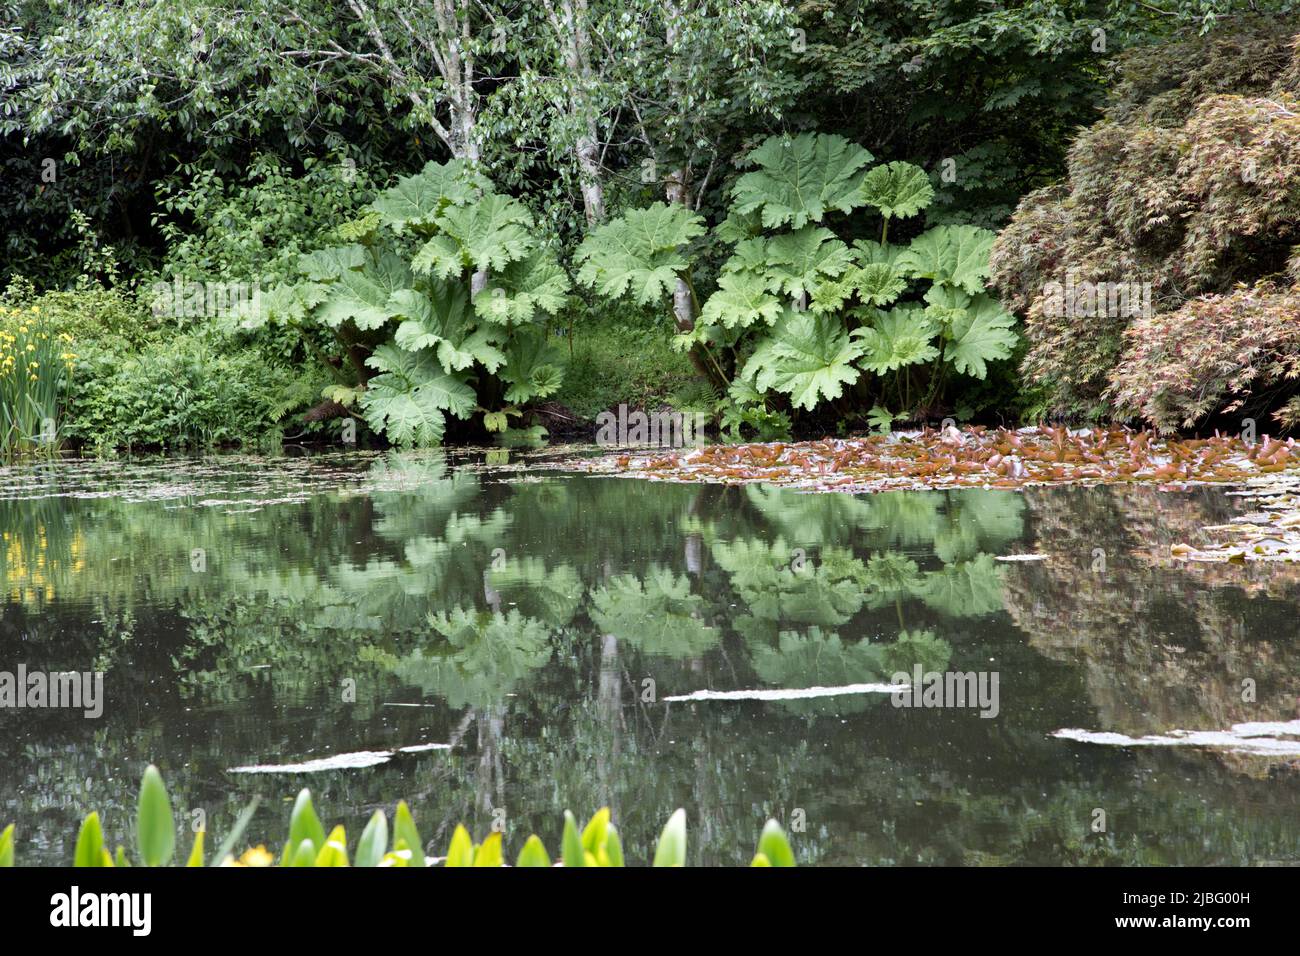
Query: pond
x,y
497,642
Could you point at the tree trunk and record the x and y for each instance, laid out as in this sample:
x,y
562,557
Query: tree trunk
x,y
683,297
683,301
569,21
593,191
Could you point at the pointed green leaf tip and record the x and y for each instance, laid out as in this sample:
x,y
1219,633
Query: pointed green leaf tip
x,y
613,847
304,826
488,853
461,850
7,847
533,853
305,856
570,843
334,853
374,841
774,847
90,843
404,830
593,834
155,830
671,850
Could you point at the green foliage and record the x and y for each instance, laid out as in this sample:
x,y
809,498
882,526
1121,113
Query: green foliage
x,y
626,360
35,362
639,254
954,256
659,613
808,357
155,830
401,305
186,390
598,844
407,400
800,313
898,190
254,226
415,202
800,180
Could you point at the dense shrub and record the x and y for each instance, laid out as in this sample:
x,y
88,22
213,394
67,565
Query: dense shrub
x,y
139,380
182,391
1190,185
1218,353
801,321
89,313
440,298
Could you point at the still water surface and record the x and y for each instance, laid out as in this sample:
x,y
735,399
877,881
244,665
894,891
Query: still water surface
x,y
253,612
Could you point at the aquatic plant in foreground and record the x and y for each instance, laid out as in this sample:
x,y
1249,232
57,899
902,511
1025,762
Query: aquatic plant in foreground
x,y
597,843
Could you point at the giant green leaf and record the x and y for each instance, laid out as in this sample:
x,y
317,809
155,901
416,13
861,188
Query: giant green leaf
x,y
361,295
326,265
902,336
417,201
983,333
946,304
441,320
799,180
742,299
750,255
639,254
867,251
488,235
875,284
797,262
407,401
956,255
532,368
897,189
808,357
514,295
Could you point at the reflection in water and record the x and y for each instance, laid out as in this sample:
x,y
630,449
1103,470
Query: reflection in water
x,y
250,613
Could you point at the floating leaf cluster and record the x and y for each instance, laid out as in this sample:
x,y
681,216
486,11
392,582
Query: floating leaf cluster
x,y
1269,533
976,457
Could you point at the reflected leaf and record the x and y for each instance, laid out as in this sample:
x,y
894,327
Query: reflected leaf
x,y
659,615
965,589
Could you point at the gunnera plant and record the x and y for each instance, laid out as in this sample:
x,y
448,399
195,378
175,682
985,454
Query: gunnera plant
x,y
1186,191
